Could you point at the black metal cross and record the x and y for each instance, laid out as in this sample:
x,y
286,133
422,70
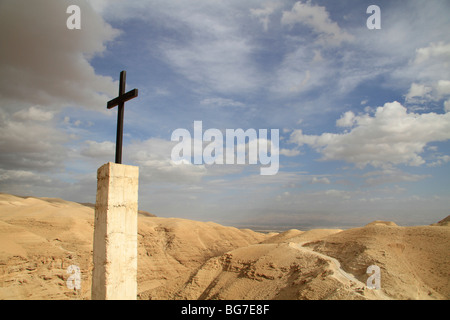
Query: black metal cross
x,y
120,101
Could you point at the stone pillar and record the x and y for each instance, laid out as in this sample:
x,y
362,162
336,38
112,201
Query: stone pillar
x,y
115,233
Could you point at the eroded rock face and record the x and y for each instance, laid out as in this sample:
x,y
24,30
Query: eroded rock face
x,y
413,260
268,271
41,238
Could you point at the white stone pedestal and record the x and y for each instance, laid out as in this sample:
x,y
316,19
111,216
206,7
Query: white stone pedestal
x,y
115,233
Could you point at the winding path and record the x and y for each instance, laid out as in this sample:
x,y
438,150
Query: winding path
x,y
342,274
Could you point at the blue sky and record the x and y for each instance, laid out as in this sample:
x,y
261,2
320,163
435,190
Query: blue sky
x,y
363,115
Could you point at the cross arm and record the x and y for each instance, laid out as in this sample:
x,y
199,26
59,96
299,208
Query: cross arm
x,y
123,98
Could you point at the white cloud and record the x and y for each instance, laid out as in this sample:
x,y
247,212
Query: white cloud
x,y
153,156
289,152
220,64
45,67
34,113
348,119
440,160
418,90
443,88
317,18
99,5
391,137
161,92
420,93
299,87
221,102
21,176
345,195
430,69
447,106
435,51
210,47
93,149
297,74
431,64
42,62
30,140
206,42
323,180
391,175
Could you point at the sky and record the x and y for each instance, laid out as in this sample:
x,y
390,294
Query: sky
x,y
363,114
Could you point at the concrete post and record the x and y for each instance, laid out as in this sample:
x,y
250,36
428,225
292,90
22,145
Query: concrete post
x,y
115,233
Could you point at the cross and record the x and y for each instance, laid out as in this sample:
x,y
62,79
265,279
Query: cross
x,y
120,101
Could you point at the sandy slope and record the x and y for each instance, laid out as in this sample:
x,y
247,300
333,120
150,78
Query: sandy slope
x,y
184,259
414,261
170,250
40,238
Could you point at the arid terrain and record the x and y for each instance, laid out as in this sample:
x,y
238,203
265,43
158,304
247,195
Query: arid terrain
x,y
183,259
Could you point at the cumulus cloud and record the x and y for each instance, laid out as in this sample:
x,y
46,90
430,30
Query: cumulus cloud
x,y
348,119
30,140
431,64
34,113
24,182
21,177
418,91
435,51
447,106
93,149
45,67
430,68
153,156
391,137
42,62
318,19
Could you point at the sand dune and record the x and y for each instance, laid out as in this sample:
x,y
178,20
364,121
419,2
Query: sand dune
x,y
185,259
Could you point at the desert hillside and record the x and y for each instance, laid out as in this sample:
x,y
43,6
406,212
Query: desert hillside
x,y
183,259
414,261
41,237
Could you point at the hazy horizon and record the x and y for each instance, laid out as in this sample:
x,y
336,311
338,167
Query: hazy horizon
x,y
268,226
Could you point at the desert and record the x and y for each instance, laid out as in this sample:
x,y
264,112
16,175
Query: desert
x,y
180,259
